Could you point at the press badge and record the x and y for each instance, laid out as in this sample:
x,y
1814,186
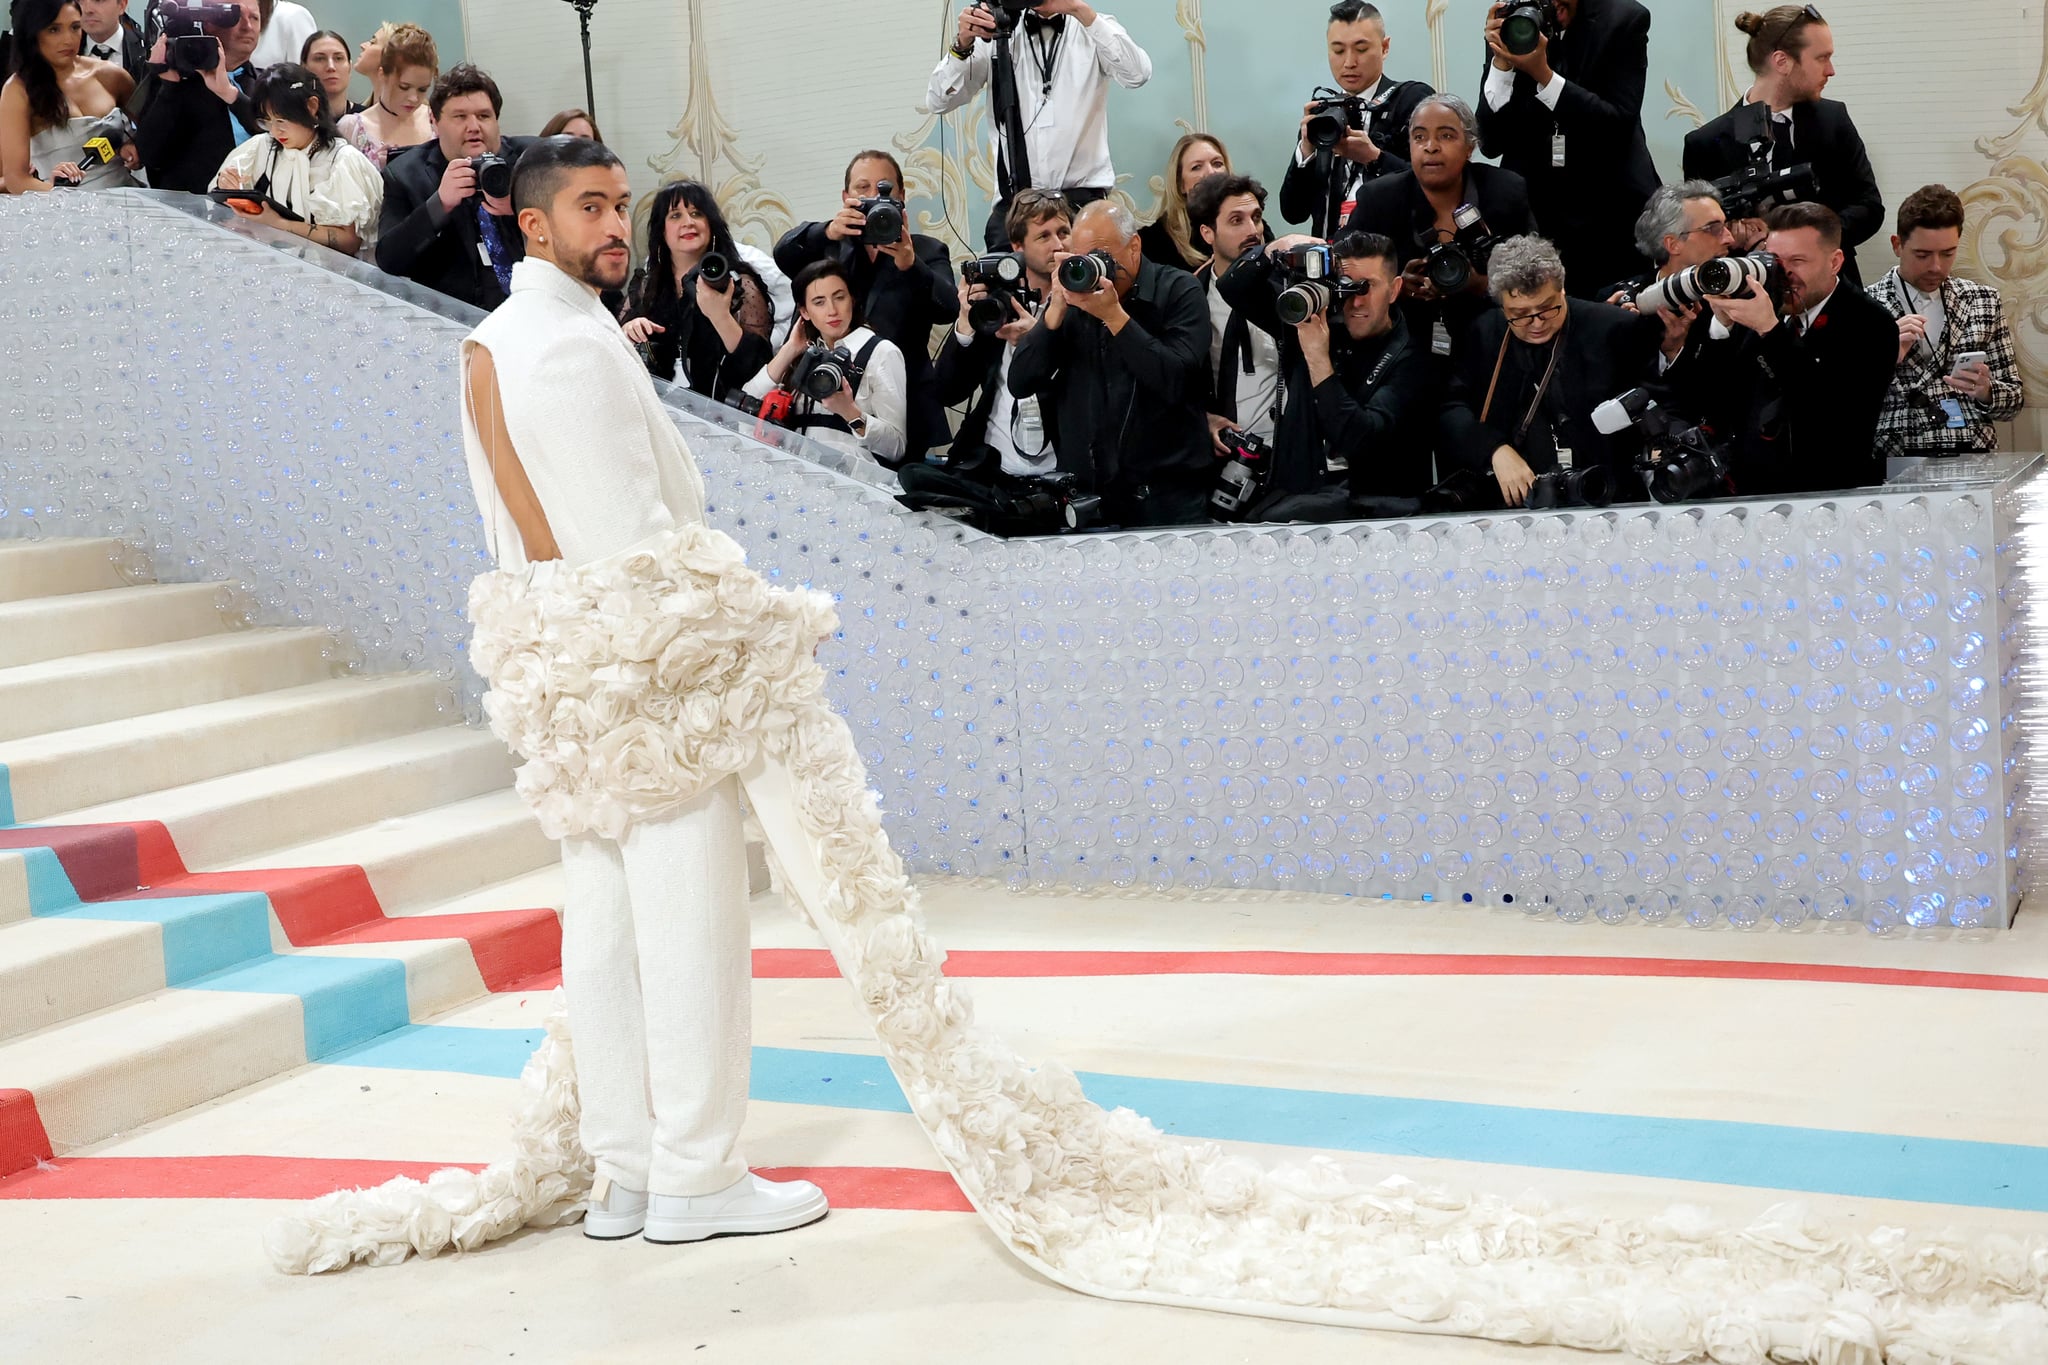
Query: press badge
x,y
1557,151
1439,338
1954,408
483,253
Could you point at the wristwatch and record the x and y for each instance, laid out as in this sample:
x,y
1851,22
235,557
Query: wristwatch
x,y
859,427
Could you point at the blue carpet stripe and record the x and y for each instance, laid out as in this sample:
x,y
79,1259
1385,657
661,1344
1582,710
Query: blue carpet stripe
x,y
6,799
1811,1160
49,885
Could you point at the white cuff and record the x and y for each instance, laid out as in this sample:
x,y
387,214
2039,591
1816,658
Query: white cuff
x,y
1500,87
1549,93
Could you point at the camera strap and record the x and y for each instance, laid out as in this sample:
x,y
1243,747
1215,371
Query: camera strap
x,y
1542,385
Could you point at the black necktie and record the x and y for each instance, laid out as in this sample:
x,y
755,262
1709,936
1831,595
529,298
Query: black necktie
x,y
103,52
1797,322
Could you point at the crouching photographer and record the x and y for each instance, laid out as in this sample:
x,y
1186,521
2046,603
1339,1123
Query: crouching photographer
x,y
1121,352
834,380
1518,420
1354,431
1793,364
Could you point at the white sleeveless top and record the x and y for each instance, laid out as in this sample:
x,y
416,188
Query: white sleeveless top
x,y
603,455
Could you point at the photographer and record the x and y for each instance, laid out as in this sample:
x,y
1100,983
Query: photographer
x,y
1050,109
1783,123
1529,375
1004,438
1359,394
1122,366
720,331
185,125
1418,209
1795,382
1228,215
1322,188
1958,370
1682,226
438,228
1567,116
904,286
865,413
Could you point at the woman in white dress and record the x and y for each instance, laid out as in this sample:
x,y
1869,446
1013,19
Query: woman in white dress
x,y
329,190
401,62
868,415
50,103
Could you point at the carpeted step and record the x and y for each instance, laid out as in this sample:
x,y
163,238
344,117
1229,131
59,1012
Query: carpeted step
x,y
53,969
69,769
110,618
53,568
92,689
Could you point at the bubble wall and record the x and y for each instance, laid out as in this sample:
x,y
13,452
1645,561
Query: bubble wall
x,y
1734,714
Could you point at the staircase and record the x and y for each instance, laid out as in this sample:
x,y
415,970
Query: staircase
x,y
220,861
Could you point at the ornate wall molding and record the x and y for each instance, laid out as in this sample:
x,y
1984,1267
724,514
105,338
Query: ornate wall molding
x,y
2005,234
1188,14
703,140
1439,65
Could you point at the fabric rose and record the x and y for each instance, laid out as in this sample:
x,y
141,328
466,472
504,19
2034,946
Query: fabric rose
x,y
1732,1339
1663,1330
1588,1324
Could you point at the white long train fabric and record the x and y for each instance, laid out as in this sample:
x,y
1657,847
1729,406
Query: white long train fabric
x,y
627,686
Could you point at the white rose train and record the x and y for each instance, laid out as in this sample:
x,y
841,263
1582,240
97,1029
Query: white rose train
x,y
630,684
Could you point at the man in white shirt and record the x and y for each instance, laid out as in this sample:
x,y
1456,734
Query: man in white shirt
x,y
1049,99
286,26
1228,213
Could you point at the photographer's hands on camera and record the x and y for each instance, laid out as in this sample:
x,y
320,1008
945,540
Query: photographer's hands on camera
x,y
458,185
846,225
1356,146
1534,64
217,80
1011,332
1755,310
977,22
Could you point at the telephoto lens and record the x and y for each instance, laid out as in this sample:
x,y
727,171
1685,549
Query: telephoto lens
x,y
1300,302
1086,273
827,374
1588,487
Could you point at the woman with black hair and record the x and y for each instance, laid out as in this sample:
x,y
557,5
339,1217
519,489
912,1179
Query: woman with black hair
x,y
51,100
721,336
870,413
326,55
329,192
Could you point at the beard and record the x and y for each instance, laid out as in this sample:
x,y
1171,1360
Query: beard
x,y
597,270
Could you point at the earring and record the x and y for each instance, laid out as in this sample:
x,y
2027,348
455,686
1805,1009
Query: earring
x,y
542,240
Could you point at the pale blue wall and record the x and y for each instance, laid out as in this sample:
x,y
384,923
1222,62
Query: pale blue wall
x,y
358,19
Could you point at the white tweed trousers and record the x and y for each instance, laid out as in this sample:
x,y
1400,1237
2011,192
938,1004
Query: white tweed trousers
x,y
657,967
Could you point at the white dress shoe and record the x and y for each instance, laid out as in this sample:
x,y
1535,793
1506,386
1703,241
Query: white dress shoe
x,y
614,1212
749,1205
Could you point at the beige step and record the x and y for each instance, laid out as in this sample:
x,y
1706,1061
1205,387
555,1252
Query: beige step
x,y
91,689
58,968
54,568
101,763
110,618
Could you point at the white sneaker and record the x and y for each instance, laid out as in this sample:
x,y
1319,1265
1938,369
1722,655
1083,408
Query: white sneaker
x,y
749,1205
614,1212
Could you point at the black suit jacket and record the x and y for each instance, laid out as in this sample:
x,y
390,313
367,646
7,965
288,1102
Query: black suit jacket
x,y
183,132
1801,412
134,56
1308,189
1824,138
902,306
1589,206
1127,409
1607,351
969,373
440,250
1396,207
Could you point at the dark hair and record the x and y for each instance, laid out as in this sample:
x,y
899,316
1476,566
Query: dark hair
x,y
658,280
828,269
1029,208
875,154
1206,199
1368,246
1355,11
568,116
1779,30
47,107
460,79
547,162
1819,217
1930,206
284,91
306,48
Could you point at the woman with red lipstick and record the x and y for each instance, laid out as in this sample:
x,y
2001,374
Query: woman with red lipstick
x,y
719,335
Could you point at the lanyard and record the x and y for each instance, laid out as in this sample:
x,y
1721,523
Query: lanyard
x,y
1045,53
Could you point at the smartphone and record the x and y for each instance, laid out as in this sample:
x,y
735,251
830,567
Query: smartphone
x,y
1966,360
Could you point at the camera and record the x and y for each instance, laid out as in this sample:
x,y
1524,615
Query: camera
x,y
189,48
1008,12
1725,277
1332,118
820,371
884,225
1525,25
1680,462
1756,189
1057,501
1588,487
1002,275
1452,264
493,175
1316,282
715,270
1242,480
104,138
1084,274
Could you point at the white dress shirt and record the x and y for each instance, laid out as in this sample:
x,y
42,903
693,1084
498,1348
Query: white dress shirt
x,y
1931,307
1257,392
1500,88
1066,127
111,50
1016,432
285,35
880,396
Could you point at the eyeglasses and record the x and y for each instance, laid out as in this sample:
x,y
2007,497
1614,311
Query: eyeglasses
x,y
1807,14
1535,315
1717,228
1039,199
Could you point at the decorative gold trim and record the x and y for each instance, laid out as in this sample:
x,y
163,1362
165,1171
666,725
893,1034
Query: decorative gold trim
x,y
2008,209
1681,107
705,136
1188,13
1439,67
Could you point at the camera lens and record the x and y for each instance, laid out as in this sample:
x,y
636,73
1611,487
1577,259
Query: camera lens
x,y
715,270
988,314
824,380
1449,271
1326,129
884,223
1298,303
1521,29
1082,274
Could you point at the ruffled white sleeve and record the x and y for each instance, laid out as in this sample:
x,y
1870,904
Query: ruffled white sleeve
x,y
347,192
247,160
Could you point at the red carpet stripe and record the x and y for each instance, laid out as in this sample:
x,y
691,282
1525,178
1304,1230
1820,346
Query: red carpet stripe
x,y
22,1140
278,1177
797,964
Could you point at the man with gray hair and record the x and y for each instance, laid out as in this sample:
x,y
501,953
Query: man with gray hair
x,y
1683,226
1519,415
1123,365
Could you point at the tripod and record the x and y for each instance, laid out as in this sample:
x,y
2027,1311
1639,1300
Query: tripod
x,y
583,9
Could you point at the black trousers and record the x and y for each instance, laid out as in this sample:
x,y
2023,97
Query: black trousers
x,y
997,233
